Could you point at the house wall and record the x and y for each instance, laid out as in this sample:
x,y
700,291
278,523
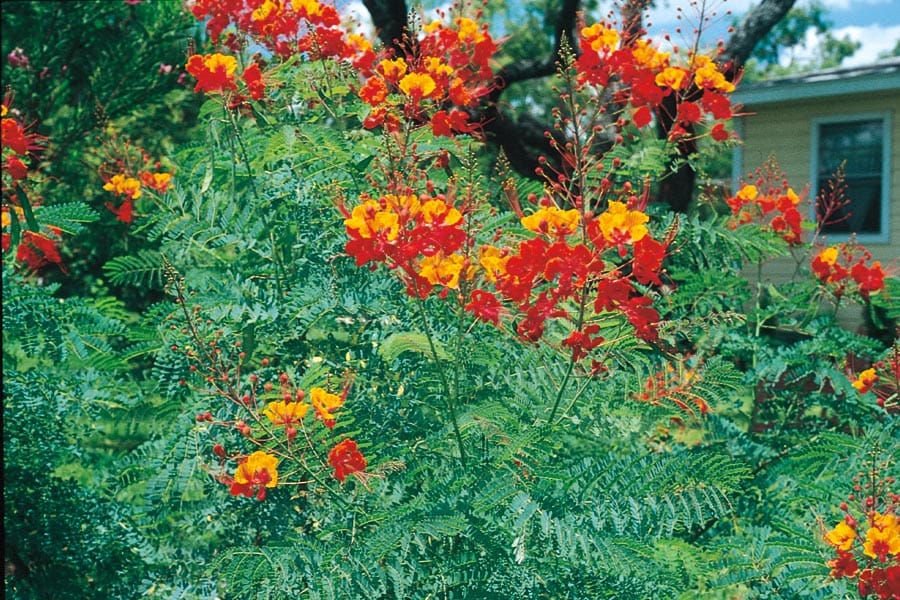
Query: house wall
x,y
784,129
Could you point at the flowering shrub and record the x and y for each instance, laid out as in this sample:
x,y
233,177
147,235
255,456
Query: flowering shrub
x,y
382,370
868,546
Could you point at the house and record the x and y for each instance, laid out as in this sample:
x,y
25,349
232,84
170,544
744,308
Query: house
x,y
813,123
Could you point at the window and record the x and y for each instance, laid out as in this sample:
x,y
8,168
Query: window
x,y
861,143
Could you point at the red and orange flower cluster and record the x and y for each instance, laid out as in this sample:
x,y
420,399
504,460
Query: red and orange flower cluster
x,y
35,248
647,77
594,264
868,549
594,261
215,74
286,27
444,73
128,189
677,387
277,416
419,236
845,267
776,209
883,380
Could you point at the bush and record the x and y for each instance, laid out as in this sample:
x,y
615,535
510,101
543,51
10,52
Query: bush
x,y
545,388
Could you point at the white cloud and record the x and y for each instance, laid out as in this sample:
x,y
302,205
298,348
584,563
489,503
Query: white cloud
x,y
875,39
357,13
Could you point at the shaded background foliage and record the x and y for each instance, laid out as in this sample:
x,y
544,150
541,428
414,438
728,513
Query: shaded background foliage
x,y
96,67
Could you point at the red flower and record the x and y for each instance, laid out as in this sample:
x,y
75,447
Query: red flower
x,y
688,112
716,104
884,583
870,279
36,250
719,133
642,117
253,78
14,136
214,72
581,342
125,212
16,167
648,258
346,459
485,306
844,565
444,124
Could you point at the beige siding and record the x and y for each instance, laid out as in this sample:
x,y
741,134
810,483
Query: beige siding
x,y
784,130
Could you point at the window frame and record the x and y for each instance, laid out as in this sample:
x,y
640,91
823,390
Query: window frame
x,y
883,237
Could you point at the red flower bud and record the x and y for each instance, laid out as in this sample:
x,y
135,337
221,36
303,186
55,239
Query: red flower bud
x,y
219,450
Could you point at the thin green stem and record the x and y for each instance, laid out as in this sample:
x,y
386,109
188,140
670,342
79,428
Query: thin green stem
x,y
562,387
445,385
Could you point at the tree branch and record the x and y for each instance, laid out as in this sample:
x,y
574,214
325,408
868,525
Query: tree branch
x,y
390,18
534,69
524,139
755,25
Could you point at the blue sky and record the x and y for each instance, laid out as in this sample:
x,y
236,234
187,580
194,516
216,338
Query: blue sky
x,y
874,23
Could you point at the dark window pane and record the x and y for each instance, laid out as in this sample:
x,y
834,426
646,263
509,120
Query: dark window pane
x,y
858,144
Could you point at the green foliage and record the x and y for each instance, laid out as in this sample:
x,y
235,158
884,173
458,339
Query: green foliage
x,y
788,35
702,466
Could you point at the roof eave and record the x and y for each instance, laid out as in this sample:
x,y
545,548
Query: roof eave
x,y
794,90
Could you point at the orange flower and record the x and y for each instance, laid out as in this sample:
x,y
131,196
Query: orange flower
x,y
468,31
156,181
214,72
325,403
646,55
393,70
865,381
841,537
285,413
254,474
882,538
125,186
369,220
671,77
622,226
600,38
707,75
442,270
374,92
552,220
492,260
417,85
436,211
